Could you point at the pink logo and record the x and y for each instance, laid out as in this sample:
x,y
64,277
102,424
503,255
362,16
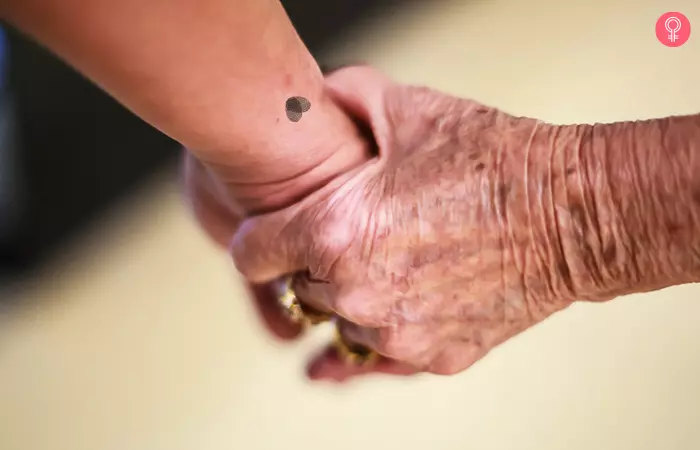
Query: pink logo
x,y
673,29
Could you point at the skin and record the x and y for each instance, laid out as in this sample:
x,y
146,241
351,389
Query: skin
x,y
216,76
473,225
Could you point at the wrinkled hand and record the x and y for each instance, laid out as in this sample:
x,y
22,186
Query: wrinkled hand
x,y
434,252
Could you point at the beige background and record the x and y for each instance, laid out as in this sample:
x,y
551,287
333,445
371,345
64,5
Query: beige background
x,y
140,336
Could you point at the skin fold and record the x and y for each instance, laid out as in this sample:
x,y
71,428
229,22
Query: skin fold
x,y
473,225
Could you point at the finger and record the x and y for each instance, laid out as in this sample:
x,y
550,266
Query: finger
x,y
328,366
269,246
317,294
358,305
308,236
457,357
410,343
272,314
368,337
361,90
364,307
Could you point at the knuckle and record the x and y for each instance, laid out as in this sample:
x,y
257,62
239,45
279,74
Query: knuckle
x,y
446,366
333,238
392,343
335,234
363,306
355,309
455,359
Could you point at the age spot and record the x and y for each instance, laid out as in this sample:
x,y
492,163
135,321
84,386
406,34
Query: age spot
x,y
610,254
673,227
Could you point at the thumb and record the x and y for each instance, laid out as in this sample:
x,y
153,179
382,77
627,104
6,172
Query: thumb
x,y
269,246
361,91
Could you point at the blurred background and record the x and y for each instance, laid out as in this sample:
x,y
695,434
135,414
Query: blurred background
x,y
122,327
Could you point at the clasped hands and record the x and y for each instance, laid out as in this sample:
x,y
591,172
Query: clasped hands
x,y
425,252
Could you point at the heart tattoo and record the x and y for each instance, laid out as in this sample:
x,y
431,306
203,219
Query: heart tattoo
x,y
295,107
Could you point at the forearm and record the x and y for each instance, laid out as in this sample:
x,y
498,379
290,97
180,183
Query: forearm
x,y
213,74
628,196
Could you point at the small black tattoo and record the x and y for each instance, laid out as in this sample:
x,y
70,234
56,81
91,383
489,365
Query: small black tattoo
x,y
295,107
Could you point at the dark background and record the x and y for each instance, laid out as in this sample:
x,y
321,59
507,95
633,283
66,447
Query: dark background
x,y
79,151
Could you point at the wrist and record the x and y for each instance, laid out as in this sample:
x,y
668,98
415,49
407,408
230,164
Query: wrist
x,y
289,167
654,167
623,208
597,257
270,195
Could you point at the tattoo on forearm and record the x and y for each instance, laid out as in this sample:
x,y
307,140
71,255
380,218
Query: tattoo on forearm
x,y
295,107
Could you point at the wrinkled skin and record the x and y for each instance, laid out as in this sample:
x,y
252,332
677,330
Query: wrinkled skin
x,y
432,253
469,227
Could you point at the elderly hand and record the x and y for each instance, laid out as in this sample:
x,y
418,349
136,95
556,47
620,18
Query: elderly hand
x,y
444,246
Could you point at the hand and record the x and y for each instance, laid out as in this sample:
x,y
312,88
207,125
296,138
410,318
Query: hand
x,y
221,194
436,251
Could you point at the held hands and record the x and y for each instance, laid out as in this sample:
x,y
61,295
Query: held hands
x,y
434,252
222,190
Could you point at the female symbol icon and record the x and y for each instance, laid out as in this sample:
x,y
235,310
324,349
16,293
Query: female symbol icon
x,y
673,29
673,26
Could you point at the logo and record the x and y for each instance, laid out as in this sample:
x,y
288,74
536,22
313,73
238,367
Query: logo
x,y
673,29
